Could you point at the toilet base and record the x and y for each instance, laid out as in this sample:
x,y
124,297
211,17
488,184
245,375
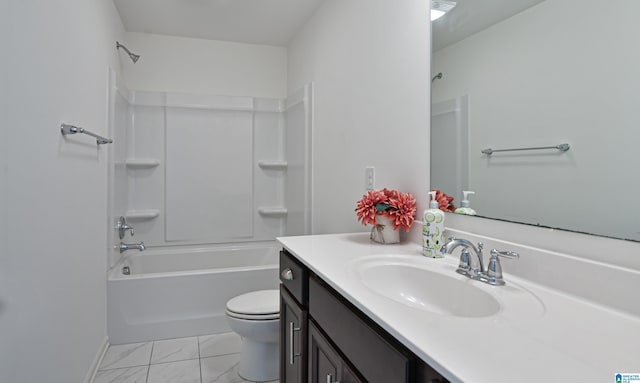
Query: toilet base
x,y
259,361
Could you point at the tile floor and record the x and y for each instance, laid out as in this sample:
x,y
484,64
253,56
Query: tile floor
x,y
201,359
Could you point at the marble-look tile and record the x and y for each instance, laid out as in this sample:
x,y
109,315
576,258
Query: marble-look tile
x,y
127,355
219,344
173,350
220,369
123,375
185,371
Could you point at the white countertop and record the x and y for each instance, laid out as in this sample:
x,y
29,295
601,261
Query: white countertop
x,y
547,336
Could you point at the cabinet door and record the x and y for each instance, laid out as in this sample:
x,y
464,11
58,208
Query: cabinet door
x,y
324,361
293,340
372,355
325,364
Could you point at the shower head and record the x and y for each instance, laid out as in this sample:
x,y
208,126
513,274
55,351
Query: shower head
x,y
436,77
134,57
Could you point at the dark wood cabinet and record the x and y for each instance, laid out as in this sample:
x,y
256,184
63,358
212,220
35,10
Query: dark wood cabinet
x,y
293,320
325,339
293,339
326,365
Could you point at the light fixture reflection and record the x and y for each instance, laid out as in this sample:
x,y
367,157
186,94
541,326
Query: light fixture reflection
x,y
440,7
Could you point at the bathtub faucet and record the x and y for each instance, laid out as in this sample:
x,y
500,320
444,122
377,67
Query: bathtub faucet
x,y
131,246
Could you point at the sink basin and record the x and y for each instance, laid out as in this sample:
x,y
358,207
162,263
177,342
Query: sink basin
x,y
421,288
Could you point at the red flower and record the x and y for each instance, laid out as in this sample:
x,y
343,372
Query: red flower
x,y
445,202
399,208
402,211
366,209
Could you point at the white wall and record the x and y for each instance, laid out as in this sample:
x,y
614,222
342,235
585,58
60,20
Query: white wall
x,y
532,86
178,64
369,62
6,353
53,286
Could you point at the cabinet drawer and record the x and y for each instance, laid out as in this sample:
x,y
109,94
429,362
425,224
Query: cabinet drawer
x,y
294,277
364,346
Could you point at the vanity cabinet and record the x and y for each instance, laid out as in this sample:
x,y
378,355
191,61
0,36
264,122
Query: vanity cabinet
x,y
293,320
293,339
325,339
325,363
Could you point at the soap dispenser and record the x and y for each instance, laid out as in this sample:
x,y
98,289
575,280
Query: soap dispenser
x,y
464,205
433,229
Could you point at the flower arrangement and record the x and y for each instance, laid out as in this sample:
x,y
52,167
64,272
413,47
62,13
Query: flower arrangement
x,y
399,208
445,202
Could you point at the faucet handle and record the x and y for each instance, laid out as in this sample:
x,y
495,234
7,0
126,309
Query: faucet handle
x,y
122,227
464,266
504,254
494,270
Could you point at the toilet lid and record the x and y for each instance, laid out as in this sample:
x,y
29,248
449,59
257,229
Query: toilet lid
x,y
262,303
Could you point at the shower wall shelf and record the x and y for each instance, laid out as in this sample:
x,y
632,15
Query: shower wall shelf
x,y
142,215
142,163
273,165
275,212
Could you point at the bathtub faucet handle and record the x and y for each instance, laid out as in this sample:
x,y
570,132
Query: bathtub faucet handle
x,y
122,227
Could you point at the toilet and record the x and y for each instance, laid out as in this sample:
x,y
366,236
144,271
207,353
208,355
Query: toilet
x,y
255,316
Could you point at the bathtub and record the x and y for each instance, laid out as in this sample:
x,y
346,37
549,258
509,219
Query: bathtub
x,y
172,293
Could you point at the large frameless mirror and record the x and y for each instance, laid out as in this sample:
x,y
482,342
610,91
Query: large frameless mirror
x,y
559,77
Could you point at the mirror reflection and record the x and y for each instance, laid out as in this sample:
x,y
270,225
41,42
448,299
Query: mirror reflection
x,y
543,74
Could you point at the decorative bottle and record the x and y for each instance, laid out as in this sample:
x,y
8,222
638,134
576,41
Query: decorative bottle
x,y
464,205
433,229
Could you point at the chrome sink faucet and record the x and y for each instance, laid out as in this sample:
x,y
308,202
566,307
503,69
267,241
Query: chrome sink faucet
x,y
467,266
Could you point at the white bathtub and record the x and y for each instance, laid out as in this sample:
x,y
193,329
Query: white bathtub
x,y
183,292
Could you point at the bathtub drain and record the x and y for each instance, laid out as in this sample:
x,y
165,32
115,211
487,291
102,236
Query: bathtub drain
x,y
126,270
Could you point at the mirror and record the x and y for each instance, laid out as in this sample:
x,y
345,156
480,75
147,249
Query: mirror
x,y
548,73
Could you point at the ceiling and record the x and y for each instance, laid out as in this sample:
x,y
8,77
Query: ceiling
x,y
275,22
472,16
269,22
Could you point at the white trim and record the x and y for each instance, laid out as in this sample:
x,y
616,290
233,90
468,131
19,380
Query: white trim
x,y
97,361
308,167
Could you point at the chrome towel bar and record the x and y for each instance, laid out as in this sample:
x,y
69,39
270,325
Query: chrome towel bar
x,y
67,129
561,147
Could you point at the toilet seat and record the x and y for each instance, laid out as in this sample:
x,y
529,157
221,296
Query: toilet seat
x,y
256,305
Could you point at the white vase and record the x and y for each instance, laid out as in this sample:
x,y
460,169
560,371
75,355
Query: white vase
x,y
383,232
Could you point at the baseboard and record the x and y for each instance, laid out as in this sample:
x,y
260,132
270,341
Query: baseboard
x,y
97,360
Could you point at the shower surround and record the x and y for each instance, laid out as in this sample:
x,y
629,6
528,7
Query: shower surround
x,y
204,172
